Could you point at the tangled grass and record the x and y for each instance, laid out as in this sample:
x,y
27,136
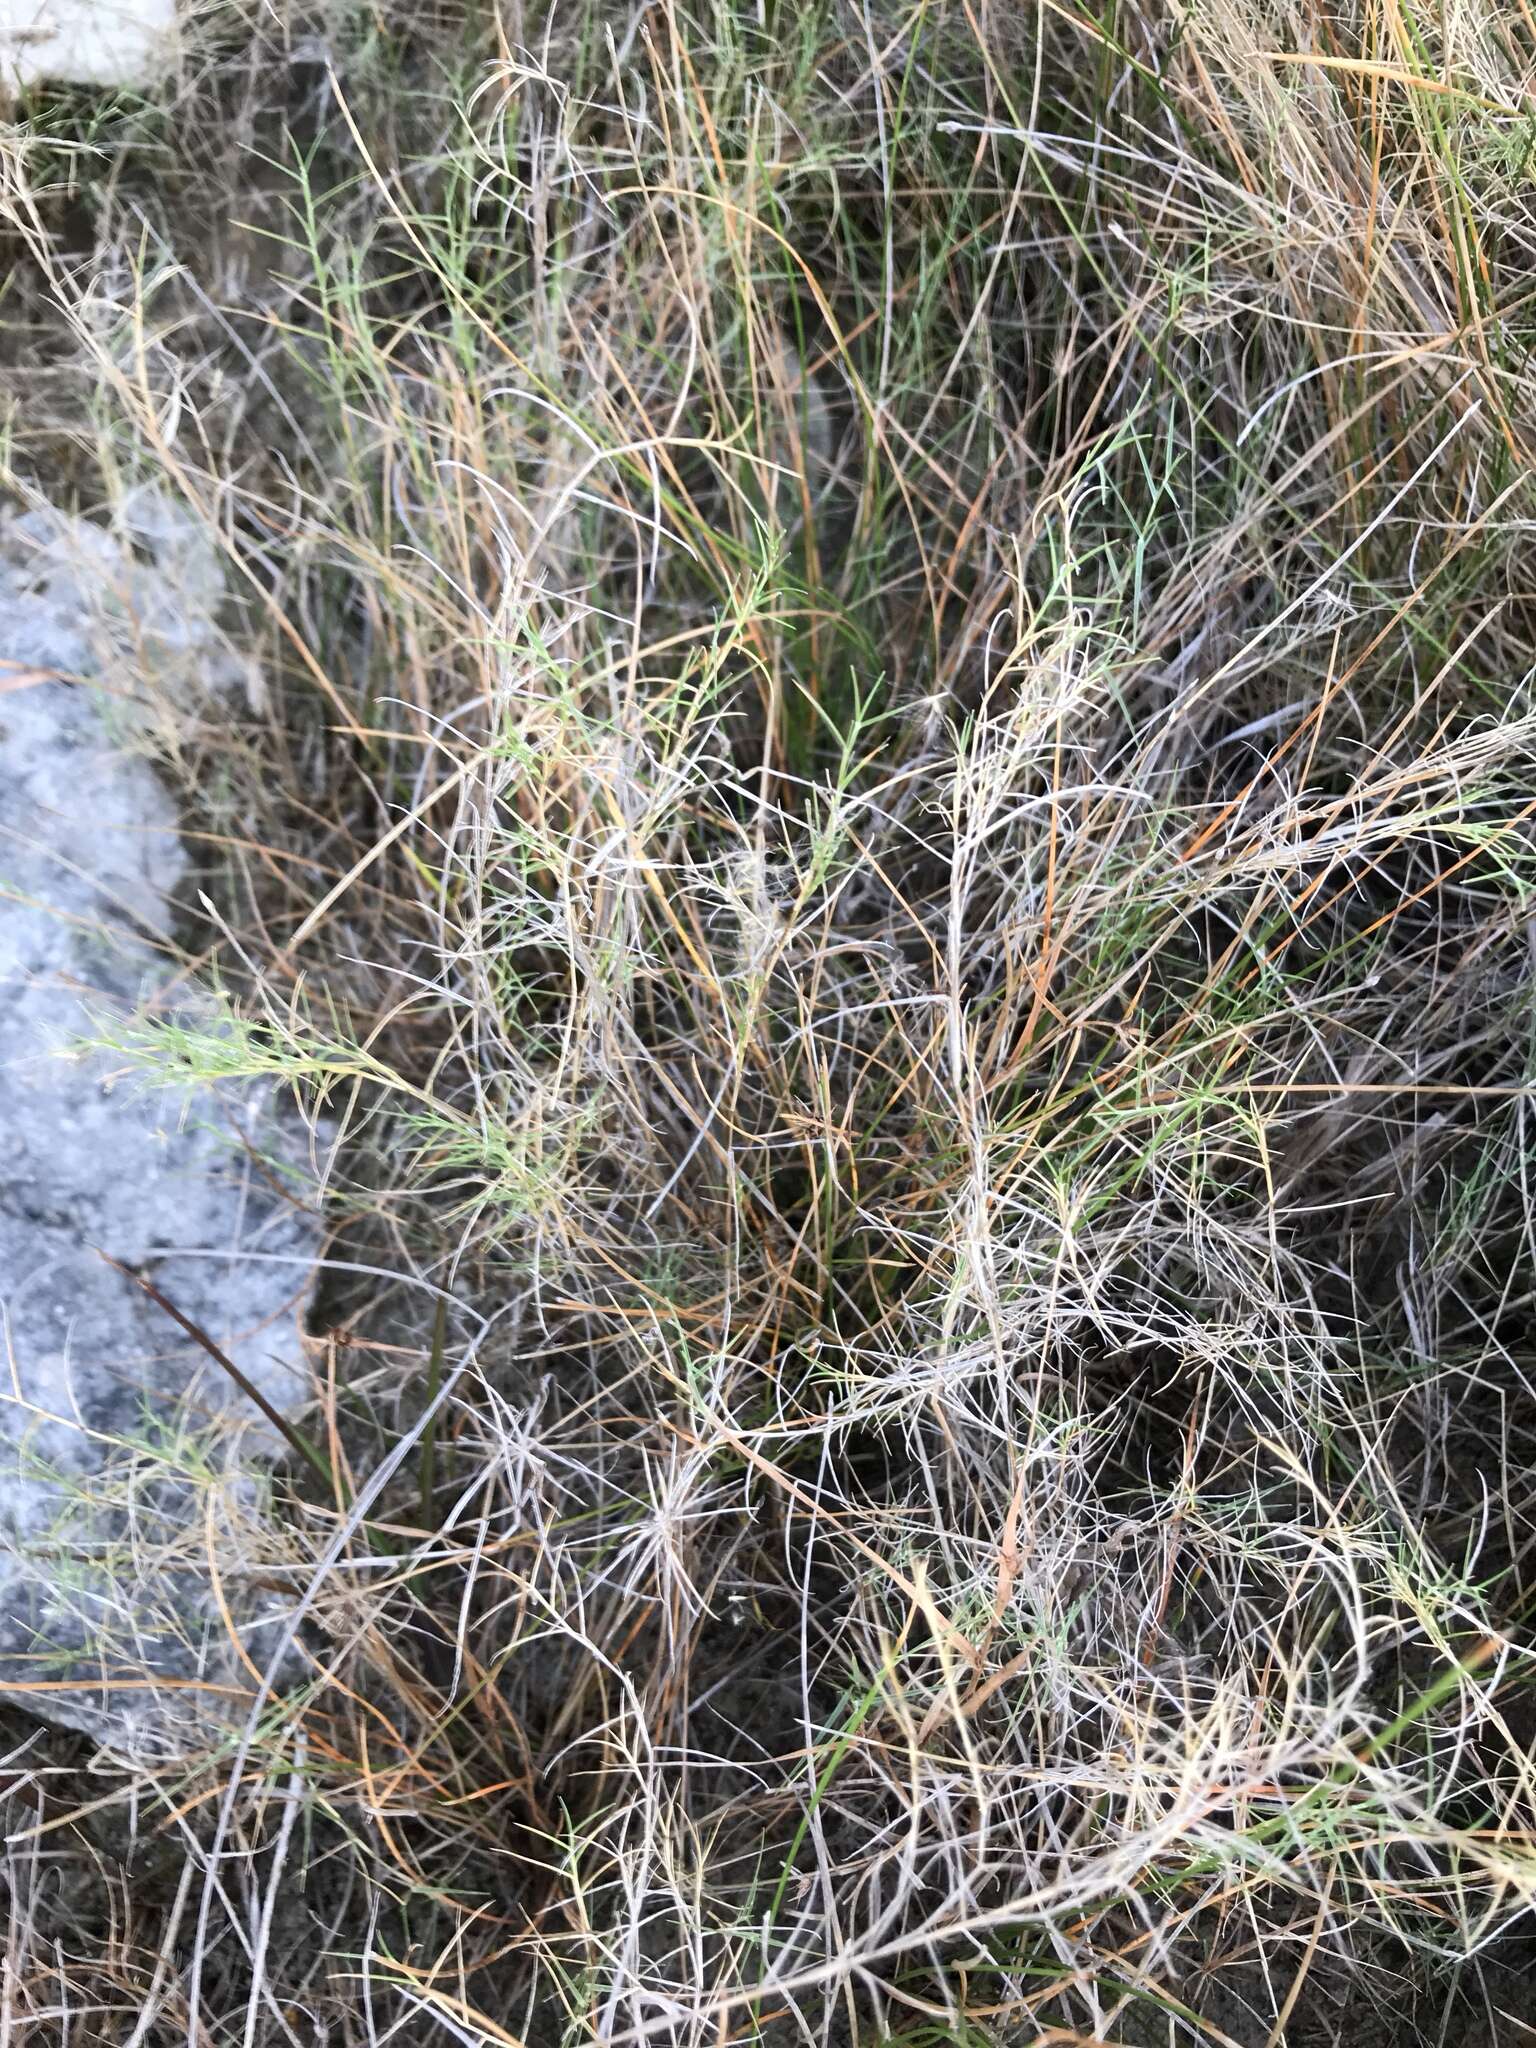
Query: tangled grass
x,y
892,816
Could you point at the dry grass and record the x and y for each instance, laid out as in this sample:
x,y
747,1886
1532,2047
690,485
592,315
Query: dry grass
x,y
893,814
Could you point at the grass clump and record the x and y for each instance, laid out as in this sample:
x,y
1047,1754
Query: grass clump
x,y
892,812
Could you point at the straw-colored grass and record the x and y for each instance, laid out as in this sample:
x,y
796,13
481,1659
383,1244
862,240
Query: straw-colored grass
x,y
892,815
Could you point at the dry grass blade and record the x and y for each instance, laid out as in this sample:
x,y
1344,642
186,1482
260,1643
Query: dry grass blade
x,y
291,1434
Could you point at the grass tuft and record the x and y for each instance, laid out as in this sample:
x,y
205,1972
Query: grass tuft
x,y
890,812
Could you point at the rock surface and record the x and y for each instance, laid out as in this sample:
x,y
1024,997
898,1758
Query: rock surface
x,y
86,42
119,1437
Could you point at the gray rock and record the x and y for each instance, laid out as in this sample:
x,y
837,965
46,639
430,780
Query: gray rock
x,y
89,42
121,1442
